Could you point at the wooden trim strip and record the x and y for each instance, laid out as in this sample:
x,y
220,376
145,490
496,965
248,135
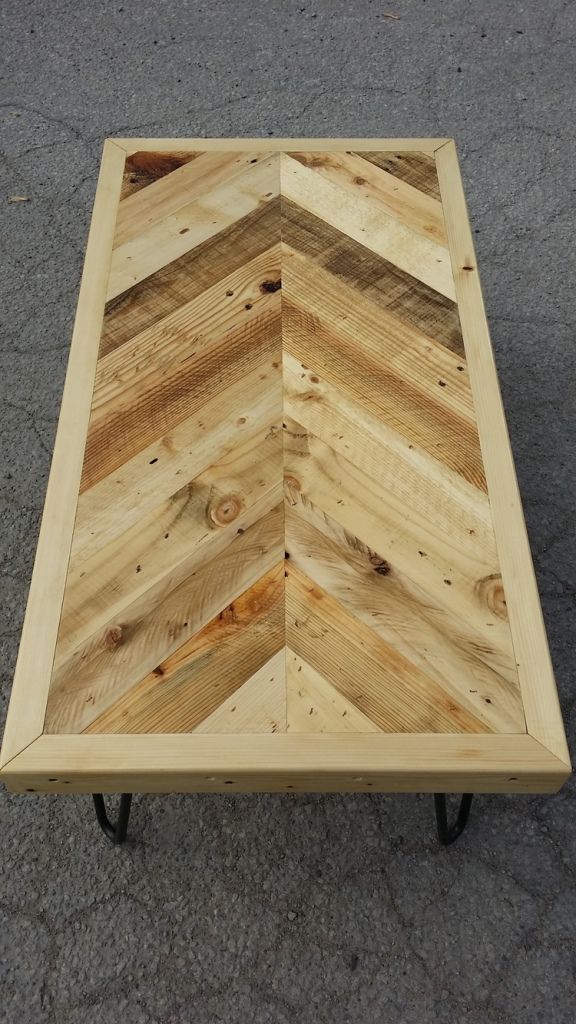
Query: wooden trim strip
x,y
541,705
34,666
167,763
133,145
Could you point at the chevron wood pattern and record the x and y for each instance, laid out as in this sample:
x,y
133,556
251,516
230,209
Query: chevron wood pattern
x,y
282,328
284,522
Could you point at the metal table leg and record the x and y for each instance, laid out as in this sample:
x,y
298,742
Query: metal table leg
x,y
116,833
449,833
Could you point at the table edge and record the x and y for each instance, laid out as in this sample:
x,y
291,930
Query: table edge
x,y
271,144
185,762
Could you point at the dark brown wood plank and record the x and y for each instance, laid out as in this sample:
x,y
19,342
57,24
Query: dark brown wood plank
x,y
143,168
418,169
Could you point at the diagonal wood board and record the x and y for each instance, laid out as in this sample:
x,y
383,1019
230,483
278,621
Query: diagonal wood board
x,y
296,513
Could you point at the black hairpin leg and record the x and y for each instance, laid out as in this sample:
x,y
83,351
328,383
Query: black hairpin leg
x,y
115,833
449,833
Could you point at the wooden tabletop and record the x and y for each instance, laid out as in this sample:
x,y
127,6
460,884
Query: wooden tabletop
x,y
282,547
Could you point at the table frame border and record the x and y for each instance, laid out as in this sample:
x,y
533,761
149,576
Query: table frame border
x,y
537,761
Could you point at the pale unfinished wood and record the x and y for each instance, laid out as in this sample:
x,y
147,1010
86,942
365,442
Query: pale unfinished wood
x,y
172,612
340,564
278,145
28,700
193,223
415,168
258,706
363,507
535,670
283,308
166,196
391,369
384,191
314,705
347,763
366,223
173,539
368,671
200,675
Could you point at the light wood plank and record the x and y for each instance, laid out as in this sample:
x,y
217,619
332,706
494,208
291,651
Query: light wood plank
x,y
313,705
258,706
186,362
385,193
231,302
387,687
172,540
418,169
188,686
138,213
398,375
410,300
156,625
231,417
192,224
361,505
32,674
535,670
446,515
303,763
427,261
278,145
184,279
406,618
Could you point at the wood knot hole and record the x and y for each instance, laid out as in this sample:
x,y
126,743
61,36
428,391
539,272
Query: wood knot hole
x,y
227,510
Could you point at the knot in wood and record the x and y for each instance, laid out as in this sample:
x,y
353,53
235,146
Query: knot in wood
x,y
226,510
292,489
113,637
270,286
491,592
380,565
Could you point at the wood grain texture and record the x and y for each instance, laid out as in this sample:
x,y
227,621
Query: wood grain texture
x,y
144,167
290,495
190,685
314,705
416,168
361,763
193,222
406,296
543,716
278,145
117,656
358,216
258,706
33,668
185,278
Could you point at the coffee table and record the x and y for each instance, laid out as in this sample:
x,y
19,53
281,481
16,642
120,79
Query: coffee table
x,y
282,547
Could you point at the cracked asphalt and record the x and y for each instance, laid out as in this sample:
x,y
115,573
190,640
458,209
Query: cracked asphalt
x,y
316,909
